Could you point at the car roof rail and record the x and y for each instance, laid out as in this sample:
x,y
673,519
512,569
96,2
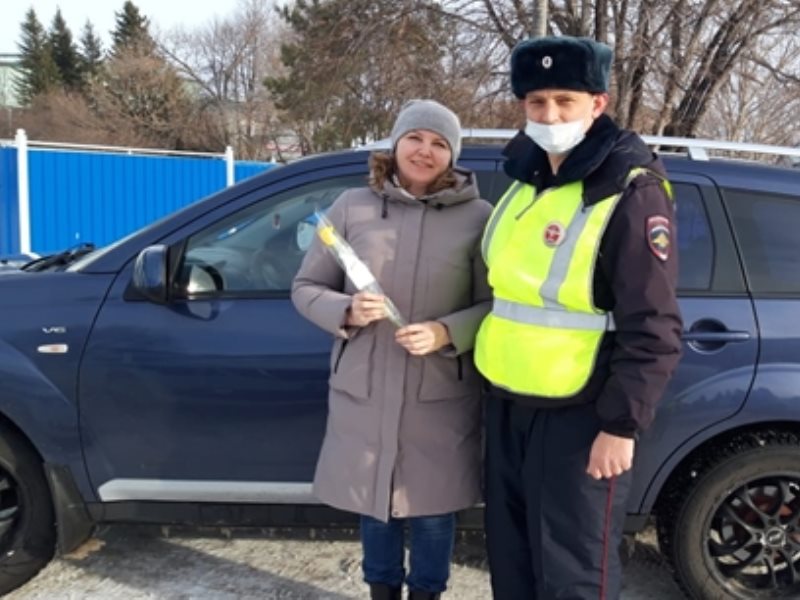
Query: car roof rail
x,y
698,149
694,148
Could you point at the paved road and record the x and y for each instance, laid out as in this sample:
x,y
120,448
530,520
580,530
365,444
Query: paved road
x,y
138,563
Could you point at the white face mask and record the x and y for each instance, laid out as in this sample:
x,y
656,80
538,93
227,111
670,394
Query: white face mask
x,y
556,139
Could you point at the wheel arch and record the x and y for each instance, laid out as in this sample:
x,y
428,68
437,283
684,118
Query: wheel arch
x,y
8,423
676,475
73,523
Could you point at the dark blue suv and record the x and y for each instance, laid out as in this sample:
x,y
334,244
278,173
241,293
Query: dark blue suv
x,y
167,378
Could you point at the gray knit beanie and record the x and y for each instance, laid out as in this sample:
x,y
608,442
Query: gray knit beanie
x,y
430,115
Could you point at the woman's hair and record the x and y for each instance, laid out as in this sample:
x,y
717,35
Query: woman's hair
x,y
383,166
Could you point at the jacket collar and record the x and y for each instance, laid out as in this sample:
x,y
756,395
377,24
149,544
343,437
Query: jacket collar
x,y
616,150
466,188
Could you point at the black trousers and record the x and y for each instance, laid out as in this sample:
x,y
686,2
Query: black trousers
x,y
552,531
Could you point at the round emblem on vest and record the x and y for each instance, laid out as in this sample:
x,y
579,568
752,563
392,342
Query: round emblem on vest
x,y
554,234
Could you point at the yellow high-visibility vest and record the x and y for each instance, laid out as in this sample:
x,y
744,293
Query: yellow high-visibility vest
x,y
544,331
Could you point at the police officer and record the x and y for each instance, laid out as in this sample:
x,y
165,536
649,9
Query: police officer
x,y
584,332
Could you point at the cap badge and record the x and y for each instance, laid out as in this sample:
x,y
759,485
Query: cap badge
x,y
547,62
554,234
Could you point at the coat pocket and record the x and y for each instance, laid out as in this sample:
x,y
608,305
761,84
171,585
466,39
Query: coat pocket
x,y
351,365
445,377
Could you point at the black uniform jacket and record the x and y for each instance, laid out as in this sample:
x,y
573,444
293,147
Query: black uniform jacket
x,y
635,277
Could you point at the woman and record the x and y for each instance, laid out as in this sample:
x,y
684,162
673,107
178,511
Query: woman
x,y
403,444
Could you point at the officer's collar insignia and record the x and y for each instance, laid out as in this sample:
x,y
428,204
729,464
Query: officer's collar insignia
x,y
554,234
659,236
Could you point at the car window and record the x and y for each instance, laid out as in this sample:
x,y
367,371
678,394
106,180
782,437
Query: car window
x,y
695,239
494,184
259,248
767,227
491,182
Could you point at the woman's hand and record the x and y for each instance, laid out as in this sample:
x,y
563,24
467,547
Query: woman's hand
x,y
422,338
365,308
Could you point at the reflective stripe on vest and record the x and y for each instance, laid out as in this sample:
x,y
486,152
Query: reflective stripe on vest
x,y
544,331
496,214
547,317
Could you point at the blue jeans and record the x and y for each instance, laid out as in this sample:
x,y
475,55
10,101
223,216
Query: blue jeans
x,y
431,542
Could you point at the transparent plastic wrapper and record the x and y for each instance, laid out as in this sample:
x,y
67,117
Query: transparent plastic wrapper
x,y
354,267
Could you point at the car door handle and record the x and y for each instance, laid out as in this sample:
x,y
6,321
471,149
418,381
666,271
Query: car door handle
x,y
716,336
710,335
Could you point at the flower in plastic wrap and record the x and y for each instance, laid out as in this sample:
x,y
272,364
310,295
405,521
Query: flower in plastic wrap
x,y
353,266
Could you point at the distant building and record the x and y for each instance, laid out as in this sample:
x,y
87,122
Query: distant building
x,y
9,73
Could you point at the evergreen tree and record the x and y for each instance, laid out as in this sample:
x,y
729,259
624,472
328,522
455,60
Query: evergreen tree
x,y
39,73
91,53
351,63
65,53
131,32
140,90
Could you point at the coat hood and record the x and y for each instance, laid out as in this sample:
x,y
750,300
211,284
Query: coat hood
x,y
603,160
465,189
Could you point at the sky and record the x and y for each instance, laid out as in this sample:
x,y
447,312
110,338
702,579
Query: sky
x,y
163,14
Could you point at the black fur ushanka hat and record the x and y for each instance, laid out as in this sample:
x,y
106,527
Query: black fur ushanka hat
x,y
560,62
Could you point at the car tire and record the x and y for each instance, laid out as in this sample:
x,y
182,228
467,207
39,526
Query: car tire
x,y
736,532
27,523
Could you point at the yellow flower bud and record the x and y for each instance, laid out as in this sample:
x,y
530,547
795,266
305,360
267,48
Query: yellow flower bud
x,y
327,235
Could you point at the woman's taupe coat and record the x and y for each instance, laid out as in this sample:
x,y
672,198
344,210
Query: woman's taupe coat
x,y
404,434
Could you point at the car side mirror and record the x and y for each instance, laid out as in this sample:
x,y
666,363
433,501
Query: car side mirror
x,y
150,273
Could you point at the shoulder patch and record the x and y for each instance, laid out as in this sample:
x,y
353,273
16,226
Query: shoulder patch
x,y
659,236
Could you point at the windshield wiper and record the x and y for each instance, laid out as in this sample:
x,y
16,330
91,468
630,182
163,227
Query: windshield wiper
x,y
60,259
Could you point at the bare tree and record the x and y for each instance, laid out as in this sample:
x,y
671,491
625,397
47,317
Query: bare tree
x,y
539,28
761,100
134,100
62,116
141,101
226,63
672,59
732,39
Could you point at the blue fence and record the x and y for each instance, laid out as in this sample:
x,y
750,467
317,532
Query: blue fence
x,y
100,196
9,215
